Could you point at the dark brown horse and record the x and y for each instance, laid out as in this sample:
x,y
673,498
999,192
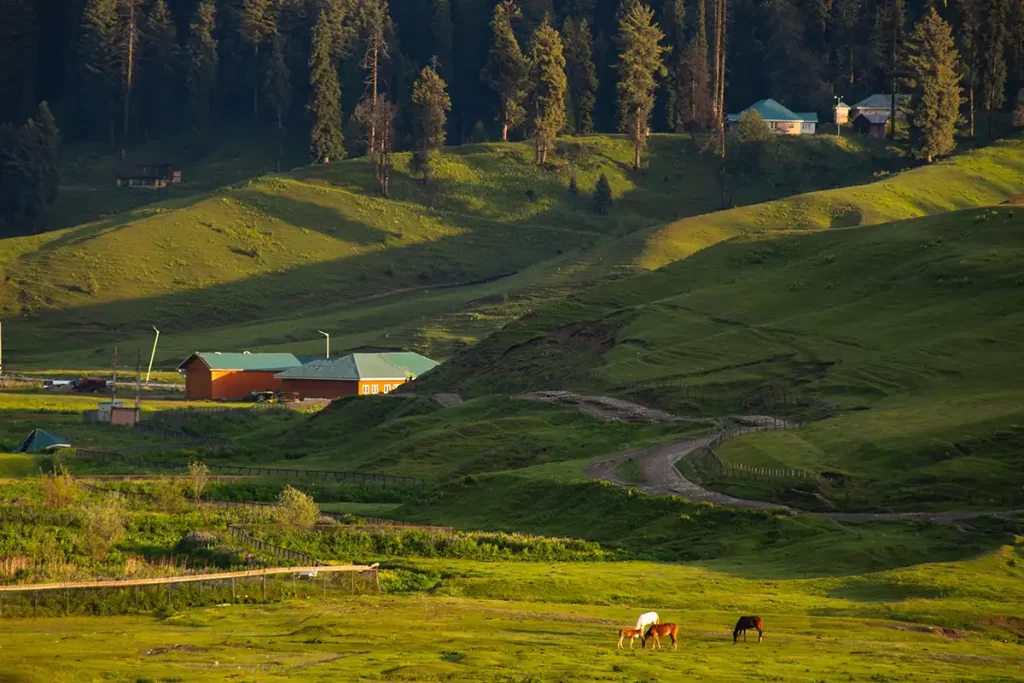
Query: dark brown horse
x,y
748,622
661,630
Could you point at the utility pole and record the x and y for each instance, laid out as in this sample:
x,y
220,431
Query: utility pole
x,y
152,355
328,343
113,382
1,349
138,383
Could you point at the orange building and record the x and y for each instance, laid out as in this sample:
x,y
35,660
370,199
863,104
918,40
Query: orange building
x,y
233,376
364,374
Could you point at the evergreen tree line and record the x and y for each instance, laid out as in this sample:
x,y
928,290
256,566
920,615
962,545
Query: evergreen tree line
x,y
29,171
127,70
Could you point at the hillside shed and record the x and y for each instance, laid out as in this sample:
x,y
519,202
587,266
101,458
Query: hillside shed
x,y
355,374
233,376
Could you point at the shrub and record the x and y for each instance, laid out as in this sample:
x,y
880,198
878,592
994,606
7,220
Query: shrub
x,y
1018,110
295,508
102,528
60,490
479,133
602,200
199,477
169,494
751,127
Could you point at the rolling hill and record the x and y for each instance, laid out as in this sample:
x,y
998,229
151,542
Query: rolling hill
x,y
263,264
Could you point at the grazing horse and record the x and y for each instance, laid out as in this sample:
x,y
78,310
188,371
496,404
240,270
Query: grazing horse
x,y
646,619
632,634
748,622
661,630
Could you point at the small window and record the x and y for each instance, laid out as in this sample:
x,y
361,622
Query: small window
x,y
365,389
374,389
387,388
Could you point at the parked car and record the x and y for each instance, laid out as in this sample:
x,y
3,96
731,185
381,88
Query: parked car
x,y
90,385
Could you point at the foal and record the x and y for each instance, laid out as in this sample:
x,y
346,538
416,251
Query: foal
x,y
748,622
661,630
632,634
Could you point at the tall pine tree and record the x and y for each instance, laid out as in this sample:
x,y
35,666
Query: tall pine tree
x,y
547,98
933,67
277,85
48,136
160,66
970,54
100,58
430,105
18,45
581,74
375,20
326,141
693,99
257,23
507,68
993,79
639,68
441,38
201,76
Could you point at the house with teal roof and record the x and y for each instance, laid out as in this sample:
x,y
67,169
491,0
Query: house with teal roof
x,y
780,119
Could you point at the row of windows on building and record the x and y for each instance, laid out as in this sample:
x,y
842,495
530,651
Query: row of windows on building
x,y
373,388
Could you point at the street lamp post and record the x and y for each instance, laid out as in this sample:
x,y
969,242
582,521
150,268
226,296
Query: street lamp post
x,y
328,342
152,354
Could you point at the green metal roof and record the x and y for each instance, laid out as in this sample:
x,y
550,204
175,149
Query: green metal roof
x,y
808,116
770,110
357,366
259,362
41,440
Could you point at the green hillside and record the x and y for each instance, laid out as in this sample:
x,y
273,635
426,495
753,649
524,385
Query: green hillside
x,y
918,321
263,264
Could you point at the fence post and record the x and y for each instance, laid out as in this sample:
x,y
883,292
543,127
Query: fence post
x,y
233,598
264,587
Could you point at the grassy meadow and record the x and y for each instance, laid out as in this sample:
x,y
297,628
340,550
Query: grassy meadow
x,y
535,622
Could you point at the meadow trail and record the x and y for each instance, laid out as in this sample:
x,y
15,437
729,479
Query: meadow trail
x,y
657,464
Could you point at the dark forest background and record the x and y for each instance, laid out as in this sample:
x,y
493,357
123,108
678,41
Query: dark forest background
x,y
800,52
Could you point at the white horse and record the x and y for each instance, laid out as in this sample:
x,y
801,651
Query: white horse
x,y
647,619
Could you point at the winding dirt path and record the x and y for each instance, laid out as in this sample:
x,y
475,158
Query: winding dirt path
x,y
657,464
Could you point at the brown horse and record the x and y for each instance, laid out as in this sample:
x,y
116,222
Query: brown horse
x,y
748,622
661,630
632,634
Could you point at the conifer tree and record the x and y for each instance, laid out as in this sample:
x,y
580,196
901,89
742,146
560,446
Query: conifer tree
x,y
674,22
581,74
257,24
602,199
993,79
639,67
384,124
889,43
506,68
277,85
129,43
431,104
338,14
970,54
1018,110
441,38
48,135
693,101
202,63
547,98
326,141
933,67
18,45
101,59
159,85
375,20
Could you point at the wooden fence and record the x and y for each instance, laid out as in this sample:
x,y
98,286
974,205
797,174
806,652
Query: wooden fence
x,y
709,466
160,430
384,480
126,596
